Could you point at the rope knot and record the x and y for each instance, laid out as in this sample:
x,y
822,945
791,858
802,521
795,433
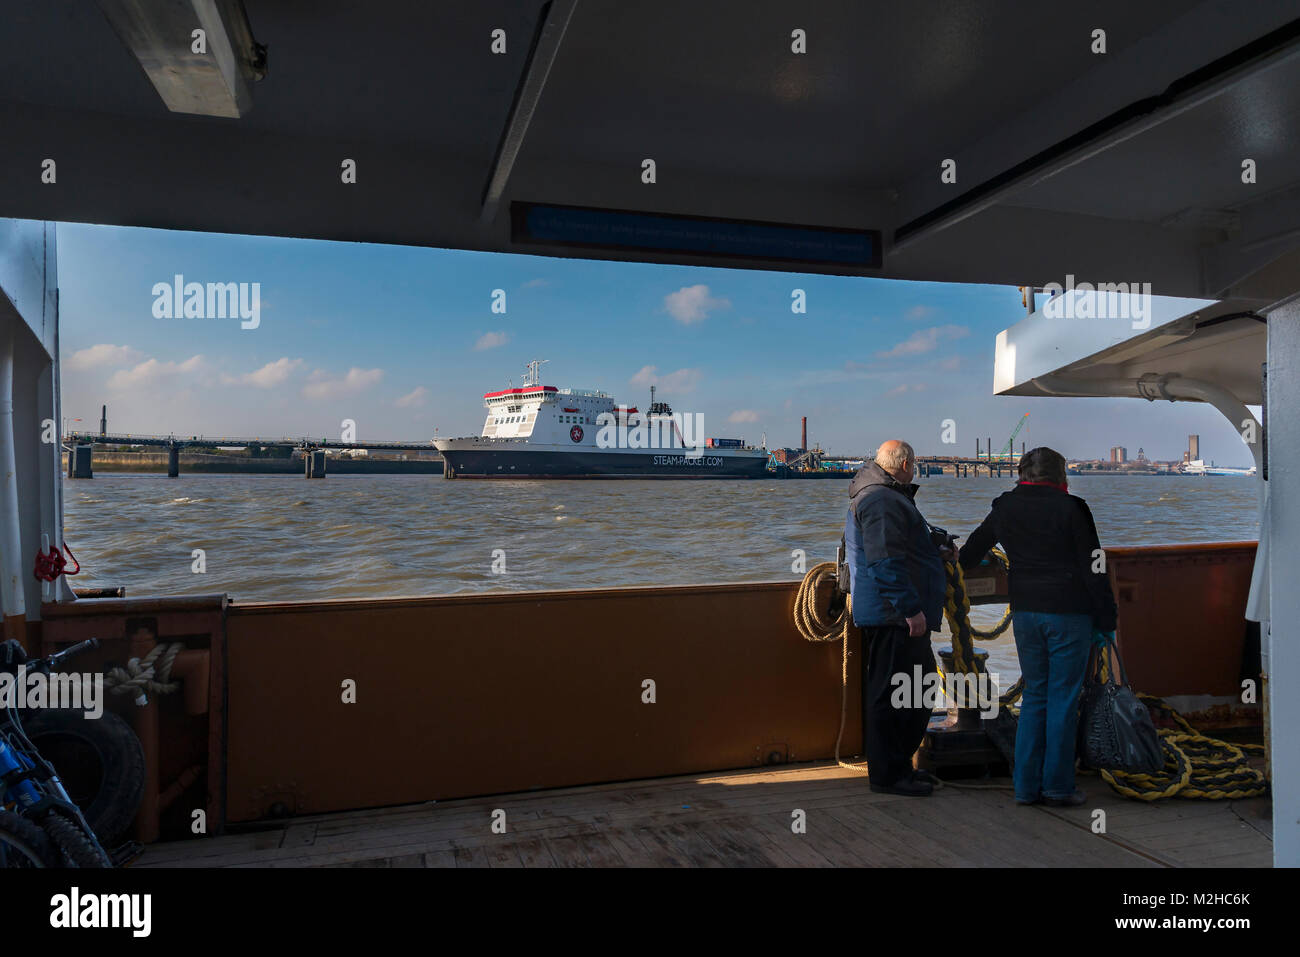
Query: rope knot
x,y
146,674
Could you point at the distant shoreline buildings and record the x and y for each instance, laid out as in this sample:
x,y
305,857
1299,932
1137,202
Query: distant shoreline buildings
x,y
1118,461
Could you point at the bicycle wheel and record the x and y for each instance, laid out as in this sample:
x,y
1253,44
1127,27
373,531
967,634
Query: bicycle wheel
x,y
23,844
78,848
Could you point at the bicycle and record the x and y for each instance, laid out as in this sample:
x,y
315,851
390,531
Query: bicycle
x,y
40,826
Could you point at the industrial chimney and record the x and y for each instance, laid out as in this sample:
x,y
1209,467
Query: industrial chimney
x,y
103,421
803,439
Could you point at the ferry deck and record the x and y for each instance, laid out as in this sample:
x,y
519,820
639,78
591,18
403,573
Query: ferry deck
x,y
946,142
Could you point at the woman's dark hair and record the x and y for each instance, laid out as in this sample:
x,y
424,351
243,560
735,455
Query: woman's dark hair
x,y
1042,465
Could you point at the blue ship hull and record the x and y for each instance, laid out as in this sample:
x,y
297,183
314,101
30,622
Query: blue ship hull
x,y
651,464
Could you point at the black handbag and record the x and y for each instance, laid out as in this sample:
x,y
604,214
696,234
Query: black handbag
x,y
1115,728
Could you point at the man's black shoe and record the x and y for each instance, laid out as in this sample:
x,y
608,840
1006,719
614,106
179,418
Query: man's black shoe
x,y
1074,800
921,774
906,786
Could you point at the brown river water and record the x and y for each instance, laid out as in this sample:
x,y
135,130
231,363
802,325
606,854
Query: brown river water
x,y
360,536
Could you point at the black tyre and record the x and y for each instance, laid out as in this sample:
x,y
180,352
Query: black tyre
x,y
23,844
79,850
100,762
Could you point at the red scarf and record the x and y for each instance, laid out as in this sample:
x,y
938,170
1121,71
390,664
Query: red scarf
x,y
1063,486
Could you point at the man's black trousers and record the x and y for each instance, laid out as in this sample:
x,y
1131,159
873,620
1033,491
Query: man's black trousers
x,y
891,734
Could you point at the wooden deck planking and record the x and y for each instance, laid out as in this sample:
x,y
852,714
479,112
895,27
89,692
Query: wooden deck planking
x,y
472,830
534,853
905,846
742,819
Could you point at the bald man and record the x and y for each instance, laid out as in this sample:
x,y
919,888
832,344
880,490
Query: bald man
x,y
898,585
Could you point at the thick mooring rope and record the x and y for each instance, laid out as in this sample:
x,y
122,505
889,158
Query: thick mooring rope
x,y
956,610
1196,765
814,625
146,674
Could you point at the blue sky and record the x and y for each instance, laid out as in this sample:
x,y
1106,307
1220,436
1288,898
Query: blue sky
x,y
403,340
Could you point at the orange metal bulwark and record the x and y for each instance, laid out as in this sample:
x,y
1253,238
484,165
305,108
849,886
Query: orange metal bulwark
x,y
482,694
469,695
1182,610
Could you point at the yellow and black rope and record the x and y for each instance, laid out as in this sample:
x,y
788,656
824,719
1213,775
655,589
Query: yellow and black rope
x,y
1196,765
956,610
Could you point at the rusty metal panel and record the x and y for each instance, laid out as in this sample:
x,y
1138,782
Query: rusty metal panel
x,y
987,584
1182,609
467,695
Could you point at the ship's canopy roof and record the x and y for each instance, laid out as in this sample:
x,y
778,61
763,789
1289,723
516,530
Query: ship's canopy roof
x,y
1125,164
1067,343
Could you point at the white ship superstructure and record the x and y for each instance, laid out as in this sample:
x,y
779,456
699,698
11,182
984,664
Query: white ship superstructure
x,y
1198,467
540,431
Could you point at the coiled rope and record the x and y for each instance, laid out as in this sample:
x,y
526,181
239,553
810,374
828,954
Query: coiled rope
x,y
151,673
814,625
1196,765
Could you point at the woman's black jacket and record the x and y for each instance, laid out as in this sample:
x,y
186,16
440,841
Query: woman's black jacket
x,y
1051,543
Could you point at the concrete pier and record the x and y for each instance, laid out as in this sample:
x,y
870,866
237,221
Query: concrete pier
x,y
79,462
314,464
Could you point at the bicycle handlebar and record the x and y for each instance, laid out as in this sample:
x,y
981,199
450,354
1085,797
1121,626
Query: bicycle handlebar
x,y
58,658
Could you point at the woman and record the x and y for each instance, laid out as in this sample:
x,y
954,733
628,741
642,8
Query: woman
x,y
1060,597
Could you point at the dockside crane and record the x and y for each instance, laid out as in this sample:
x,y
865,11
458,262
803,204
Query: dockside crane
x,y
1009,450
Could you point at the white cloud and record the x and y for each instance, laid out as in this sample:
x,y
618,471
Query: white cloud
x,y
693,303
151,372
536,284
743,415
679,382
917,313
324,386
905,387
924,340
490,340
103,354
269,376
413,398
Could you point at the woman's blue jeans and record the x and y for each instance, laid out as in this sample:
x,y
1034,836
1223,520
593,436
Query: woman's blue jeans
x,y
1053,657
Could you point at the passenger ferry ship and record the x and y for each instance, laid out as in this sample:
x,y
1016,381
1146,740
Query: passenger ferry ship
x,y
539,431
1198,467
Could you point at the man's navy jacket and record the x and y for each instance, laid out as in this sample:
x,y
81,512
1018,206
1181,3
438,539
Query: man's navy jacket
x,y
894,566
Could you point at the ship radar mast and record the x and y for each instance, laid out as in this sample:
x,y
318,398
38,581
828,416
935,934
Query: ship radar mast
x,y
658,408
534,374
